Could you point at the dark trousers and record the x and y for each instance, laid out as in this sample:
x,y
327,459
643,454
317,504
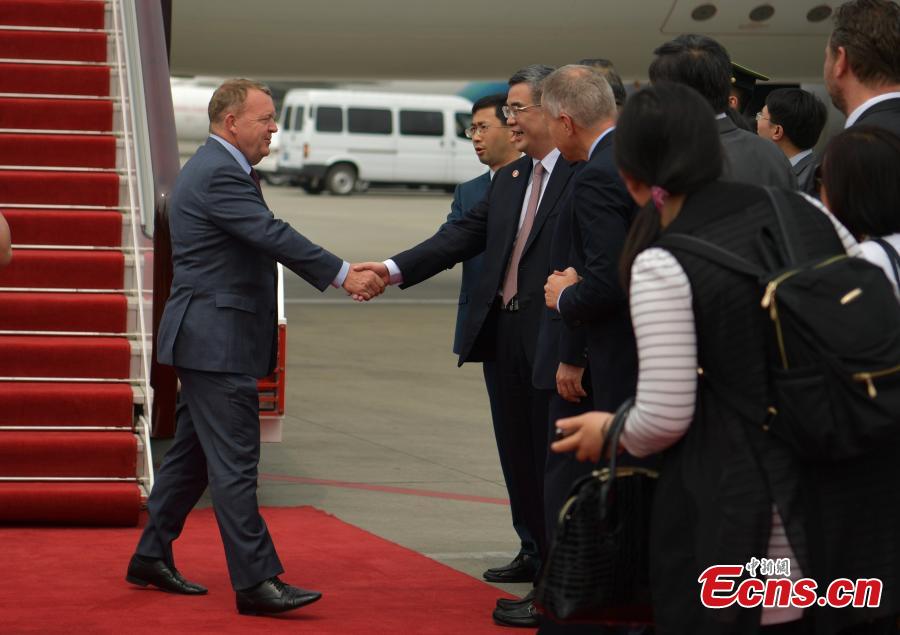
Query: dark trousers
x,y
216,444
521,433
528,545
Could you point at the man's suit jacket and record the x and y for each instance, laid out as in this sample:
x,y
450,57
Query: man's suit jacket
x,y
603,211
885,114
805,172
557,341
221,311
751,159
466,196
491,227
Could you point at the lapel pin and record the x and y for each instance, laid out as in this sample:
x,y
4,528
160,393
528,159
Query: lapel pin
x,y
515,173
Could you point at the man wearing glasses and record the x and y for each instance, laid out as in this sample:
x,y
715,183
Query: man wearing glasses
x,y
513,225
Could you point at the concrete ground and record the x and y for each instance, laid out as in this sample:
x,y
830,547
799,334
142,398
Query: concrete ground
x,y
382,429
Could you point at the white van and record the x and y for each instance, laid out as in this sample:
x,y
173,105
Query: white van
x,y
341,140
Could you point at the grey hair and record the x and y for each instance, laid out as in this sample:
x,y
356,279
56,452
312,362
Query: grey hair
x,y
533,75
580,92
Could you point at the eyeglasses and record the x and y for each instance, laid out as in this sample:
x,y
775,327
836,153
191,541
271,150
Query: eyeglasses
x,y
759,116
513,111
481,129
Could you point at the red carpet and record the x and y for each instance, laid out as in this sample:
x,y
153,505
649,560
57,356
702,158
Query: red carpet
x,y
369,584
110,504
102,228
56,13
79,312
53,45
61,356
55,114
59,188
62,269
89,453
58,150
58,77
59,404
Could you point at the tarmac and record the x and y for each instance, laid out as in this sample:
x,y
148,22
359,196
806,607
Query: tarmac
x,y
382,429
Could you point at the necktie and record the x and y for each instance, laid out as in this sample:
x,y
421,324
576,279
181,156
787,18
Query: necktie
x,y
511,282
255,176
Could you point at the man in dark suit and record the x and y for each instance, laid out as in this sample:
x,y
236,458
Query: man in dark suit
x,y
862,63
582,116
493,144
703,64
793,119
219,331
513,226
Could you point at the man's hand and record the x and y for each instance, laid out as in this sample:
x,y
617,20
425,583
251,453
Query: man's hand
x,y
568,382
556,282
363,284
584,434
378,267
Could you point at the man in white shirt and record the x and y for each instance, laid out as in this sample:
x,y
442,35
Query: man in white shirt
x,y
862,63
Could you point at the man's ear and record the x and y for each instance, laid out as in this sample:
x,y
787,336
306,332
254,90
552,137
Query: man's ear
x,y
732,102
778,132
841,63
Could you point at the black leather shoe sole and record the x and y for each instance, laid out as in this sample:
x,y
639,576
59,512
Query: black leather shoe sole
x,y
271,610
507,603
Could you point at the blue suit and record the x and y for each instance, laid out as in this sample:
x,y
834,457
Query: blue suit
x,y
219,331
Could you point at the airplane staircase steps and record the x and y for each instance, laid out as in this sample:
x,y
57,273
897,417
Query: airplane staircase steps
x,y
72,385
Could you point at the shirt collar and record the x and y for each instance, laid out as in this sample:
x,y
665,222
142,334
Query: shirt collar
x,y
797,158
863,107
549,161
233,151
599,139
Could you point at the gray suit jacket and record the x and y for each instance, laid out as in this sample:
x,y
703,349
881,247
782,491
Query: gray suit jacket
x,y
221,314
466,196
751,159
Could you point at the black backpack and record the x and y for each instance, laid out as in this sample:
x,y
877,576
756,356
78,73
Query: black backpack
x,y
835,373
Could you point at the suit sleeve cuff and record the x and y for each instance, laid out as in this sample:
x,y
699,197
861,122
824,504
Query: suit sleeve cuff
x,y
559,299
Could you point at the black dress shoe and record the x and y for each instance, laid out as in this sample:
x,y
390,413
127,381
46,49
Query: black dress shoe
x,y
521,616
143,571
507,603
523,568
273,596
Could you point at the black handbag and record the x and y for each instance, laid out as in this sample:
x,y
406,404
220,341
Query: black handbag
x,y
598,566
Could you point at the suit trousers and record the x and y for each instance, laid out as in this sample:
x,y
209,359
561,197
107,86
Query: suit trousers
x,y
522,427
216,444
528,545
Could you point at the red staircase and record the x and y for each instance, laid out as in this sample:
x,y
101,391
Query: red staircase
x,y
71,384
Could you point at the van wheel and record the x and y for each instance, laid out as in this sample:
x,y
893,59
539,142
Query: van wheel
x,y
341,179
312,188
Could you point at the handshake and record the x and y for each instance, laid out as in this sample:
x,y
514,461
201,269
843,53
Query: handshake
x,y
366,280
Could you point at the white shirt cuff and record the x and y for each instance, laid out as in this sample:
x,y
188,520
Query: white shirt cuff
x,y
394,272
338,281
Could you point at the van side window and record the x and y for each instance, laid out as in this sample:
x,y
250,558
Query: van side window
x,y
329,119
286,118
297,123
369,120
422,123
463,120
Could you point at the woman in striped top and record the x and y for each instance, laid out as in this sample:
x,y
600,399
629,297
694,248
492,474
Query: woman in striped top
x,y
727,491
